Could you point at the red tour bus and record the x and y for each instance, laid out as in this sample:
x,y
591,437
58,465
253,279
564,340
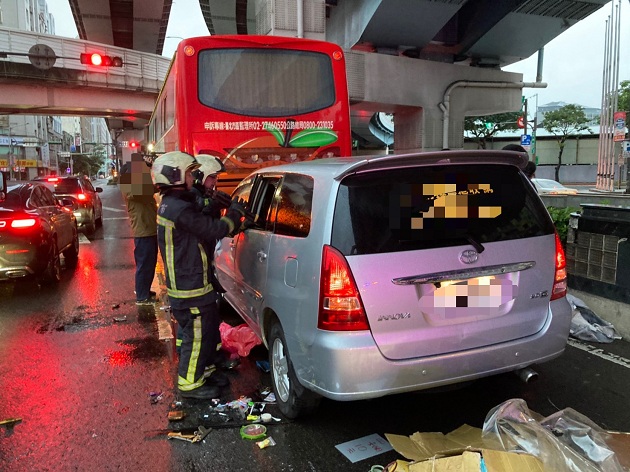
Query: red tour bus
x,y
254,101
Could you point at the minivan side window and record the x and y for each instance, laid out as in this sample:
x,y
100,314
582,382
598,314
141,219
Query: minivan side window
x,y
262,198
292,206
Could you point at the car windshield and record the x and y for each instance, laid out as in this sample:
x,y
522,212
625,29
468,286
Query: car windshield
x,y
428,207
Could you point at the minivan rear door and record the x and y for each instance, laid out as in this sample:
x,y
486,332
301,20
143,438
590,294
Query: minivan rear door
x,y
446,257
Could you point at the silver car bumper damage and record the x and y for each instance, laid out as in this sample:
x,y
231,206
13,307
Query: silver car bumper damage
x,y
353,368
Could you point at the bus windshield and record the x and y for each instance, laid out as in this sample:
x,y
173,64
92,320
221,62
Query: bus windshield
x,y
265,83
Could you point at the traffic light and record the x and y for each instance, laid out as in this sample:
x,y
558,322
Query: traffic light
x,y
101,60
133,145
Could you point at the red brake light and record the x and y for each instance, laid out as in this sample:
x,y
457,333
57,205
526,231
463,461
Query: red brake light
x,y
23,223
560,279
340,306
82,197
52,179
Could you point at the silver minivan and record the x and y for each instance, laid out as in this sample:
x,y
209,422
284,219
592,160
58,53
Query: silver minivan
x,y
372,276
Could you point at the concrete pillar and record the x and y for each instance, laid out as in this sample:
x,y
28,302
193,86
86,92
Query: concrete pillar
x,y
408,130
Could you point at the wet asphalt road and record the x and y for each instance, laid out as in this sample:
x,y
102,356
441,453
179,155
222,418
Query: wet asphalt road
x,y
79,362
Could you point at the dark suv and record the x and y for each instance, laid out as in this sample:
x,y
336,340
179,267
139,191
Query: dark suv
x,y
88,207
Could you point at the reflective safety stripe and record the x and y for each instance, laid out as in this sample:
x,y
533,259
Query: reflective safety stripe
x,y
189,383
169,226
229,222
197,292
204,261
178,342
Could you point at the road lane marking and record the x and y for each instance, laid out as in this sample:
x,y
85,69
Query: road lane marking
x,y
596,351
112,209
83,239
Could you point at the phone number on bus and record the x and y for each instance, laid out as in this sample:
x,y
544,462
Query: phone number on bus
x,y
264,125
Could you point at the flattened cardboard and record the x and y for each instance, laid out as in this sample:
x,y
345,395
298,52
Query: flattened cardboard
x,y
461,450
465,461
620,443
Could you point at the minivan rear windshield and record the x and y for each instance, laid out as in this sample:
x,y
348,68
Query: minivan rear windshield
x,y
438,206
67,186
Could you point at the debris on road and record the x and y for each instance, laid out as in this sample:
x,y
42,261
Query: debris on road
x,y
513,438
176,415
9,423
587,326
120,319
266,443
115,306
155,397
197,436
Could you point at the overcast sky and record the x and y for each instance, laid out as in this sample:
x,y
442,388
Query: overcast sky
x,y
573,62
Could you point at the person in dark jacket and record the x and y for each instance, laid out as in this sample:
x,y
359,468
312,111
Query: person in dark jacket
x,y
139,194
184,234
530,167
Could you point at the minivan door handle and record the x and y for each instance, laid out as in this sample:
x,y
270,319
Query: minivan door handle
x,y
261,256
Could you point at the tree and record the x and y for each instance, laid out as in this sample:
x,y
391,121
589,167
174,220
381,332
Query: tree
x,y
89,163
623,100
485,127
562,123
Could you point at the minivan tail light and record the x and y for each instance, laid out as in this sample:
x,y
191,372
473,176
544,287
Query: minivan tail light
x,y
560,279
23,223
82,197
340,306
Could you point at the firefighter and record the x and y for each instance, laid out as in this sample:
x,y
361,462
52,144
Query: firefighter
x,y
184,235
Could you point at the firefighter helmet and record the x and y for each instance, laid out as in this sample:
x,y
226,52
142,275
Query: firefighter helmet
x,y
169,169
210,165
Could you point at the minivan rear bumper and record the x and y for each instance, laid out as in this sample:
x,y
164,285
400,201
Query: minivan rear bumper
x,y
349,366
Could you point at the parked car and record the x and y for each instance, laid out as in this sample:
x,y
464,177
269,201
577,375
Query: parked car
x,y
88,206
551,187
367,277
35,229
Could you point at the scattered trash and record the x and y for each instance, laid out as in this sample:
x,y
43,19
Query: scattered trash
x,y
264,366
176,415
120,319
253,431
266,418
264,391
566,440
115,306
271,398
197,436
155,397
9,423
238,339
513,438
362,448
266,443
587,326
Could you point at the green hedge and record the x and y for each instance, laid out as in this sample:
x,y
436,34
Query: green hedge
x,y
560,217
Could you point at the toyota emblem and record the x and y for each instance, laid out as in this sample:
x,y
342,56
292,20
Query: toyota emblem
x,y
469,256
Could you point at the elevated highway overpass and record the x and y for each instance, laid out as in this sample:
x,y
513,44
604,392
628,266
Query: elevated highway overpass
x,y
429,62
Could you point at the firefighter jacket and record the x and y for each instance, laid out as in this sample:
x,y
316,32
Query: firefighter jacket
x,y
186,239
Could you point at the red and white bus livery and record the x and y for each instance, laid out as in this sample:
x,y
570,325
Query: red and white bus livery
x,y
254,101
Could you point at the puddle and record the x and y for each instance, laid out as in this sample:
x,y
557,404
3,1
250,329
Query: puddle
x,y
136,349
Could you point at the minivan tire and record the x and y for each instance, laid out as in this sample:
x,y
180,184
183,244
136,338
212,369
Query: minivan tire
x,y
293,398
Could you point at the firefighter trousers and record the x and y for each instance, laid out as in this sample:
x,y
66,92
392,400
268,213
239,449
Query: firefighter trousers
x,y
198,328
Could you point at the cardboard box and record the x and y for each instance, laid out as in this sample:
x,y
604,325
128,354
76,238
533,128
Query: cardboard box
x,y
461,450
620,443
